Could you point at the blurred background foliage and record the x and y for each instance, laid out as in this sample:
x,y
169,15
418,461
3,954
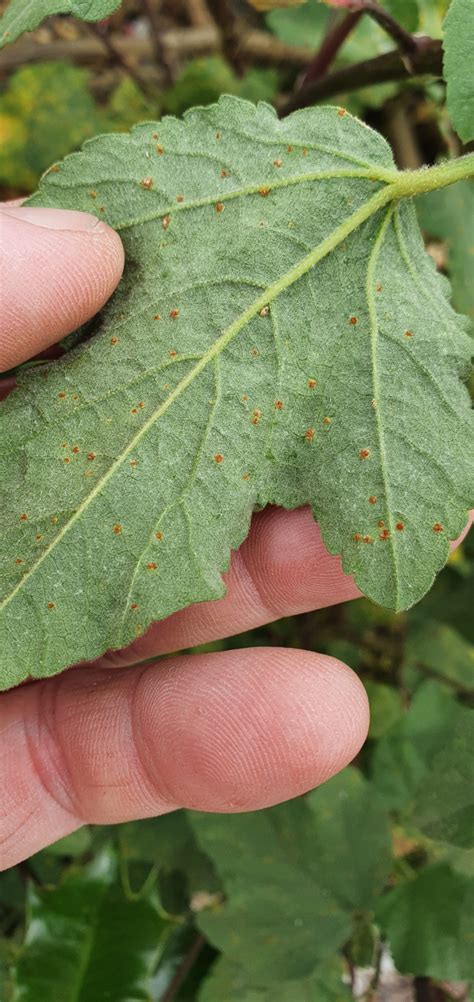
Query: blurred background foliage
x,y
365,887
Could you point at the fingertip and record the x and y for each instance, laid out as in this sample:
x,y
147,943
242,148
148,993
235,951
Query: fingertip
x,y
58,268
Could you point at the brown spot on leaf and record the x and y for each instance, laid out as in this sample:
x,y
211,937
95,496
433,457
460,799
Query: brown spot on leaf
x,y
23,517
18,560
91,456
378,287
180,198
437,527
114,340
357,537
218,135
408,333
134,410
146,183
93,194
61,395
326,420
218,458
51,605
245,396
159,150
353,321
312,384
224,172
165,222
373,404
133,463
305,152
174,314
255,352
39,535
134,605
277,163
157,316
290,149
384,534
400,526
54,519
264,311
341,112
172,353
372,499
158,536
279,405
367,539
309,434
245,476
152,566
256,416
264,192
66,459
364,453
75,449
219,206
380,523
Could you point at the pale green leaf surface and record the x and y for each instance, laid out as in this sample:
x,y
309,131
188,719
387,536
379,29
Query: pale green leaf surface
x,y
85,942
458,45
445,803
429,923
228,982
25,15
276,914
254,386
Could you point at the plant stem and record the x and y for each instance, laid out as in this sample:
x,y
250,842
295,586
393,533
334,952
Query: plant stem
x,y
416,182
329,48
406,42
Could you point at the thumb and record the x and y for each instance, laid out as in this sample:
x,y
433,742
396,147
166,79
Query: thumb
x,y
57,268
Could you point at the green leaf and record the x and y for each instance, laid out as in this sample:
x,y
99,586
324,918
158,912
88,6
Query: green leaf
x,y
85,942
405,11
351,847
402,758
429,924
445,803
448,215
457,45
232,983
305,352
277,917
440,650
386,707
24,15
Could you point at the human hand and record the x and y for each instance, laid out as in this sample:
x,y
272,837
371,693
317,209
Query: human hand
x,y
230,731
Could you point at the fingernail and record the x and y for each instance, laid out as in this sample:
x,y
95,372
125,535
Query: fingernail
x,y
52,219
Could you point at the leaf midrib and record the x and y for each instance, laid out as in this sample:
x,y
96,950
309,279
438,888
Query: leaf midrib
x,y
364,212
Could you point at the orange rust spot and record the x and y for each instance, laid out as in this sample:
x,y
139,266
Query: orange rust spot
x,y
134,605
114,340
18,560
400,526
133,463
357,537
146,183
264,311
245,396
305,152
290,149
91,456
372,499
141,404
364,453
309,434
255,352
51,605
437,527
380,523
154,135
172,353
23,517
279,405
180,198
378,287
117,528
63,445
312,384
218,135
326,420
158,535
353,321
245,476
61,395
218,458
174,314
93,194
384,534
102,208
408,333
277,163
157,316
66,459
256,415
264,192
54,519
75,449
367,539
39,535
134,410
75,396
224,172
159,150
165,222
152,566
219,206
341,112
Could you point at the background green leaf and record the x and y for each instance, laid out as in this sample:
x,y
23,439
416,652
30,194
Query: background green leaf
x,y
457,43
448,215
24,15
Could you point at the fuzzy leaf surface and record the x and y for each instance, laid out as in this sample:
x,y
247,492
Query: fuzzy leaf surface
x,y
279,336
25,15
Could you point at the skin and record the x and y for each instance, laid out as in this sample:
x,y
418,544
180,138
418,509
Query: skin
x,y
230,731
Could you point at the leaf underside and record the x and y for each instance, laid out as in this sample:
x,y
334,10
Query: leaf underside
x,y
25,15
279,336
